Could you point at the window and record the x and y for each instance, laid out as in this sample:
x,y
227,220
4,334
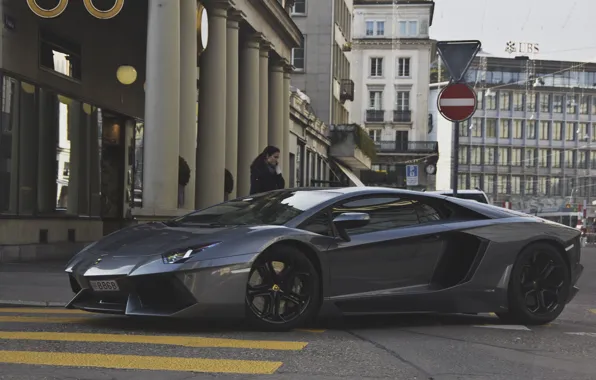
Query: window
x,y
543,158
476,155
544,129
515,184
402,101
530,158
408,28
516,156
463,155
504,130
531,129
518,101
572,104
583,106
375,28
503,156
376,67
491,128
375,134
489,155
375,100
403,67
505,101
529,186
556,158
298,58
319,224
570,132
545,102
531,102
387,213
491,101
59,55
517,129
558,103
58,175
569,159
557,131
299,7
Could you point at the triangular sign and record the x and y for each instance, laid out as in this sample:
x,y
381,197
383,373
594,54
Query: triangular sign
x,y
457,56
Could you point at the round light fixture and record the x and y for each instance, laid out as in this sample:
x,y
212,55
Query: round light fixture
x,y
104,15
203,26
28,88
126,74
64,100
431,169
47,13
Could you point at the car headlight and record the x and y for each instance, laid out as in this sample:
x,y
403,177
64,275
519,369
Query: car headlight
x,y
181,255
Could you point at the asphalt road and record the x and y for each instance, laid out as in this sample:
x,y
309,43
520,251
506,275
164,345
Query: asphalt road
x,y
49,343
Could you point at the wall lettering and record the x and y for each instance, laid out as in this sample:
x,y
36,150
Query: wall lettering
x,y
522,47
91,8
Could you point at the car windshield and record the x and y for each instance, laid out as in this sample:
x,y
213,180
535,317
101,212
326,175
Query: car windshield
x,y
274,208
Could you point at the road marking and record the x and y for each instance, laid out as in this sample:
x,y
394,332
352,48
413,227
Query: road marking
x,y
505,327
40,310
155,363
185,341
593,335
593,311
20,319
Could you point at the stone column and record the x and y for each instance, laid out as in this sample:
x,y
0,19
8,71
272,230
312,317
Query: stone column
x,y
285,148
162,109
248,111
264,95
234,18
188,95
211,139
276,109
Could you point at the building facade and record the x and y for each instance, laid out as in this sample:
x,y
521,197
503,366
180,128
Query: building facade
x,y
391,56
322,63
531,145
105,112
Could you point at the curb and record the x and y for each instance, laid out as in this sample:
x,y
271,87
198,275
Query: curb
x,y
32,303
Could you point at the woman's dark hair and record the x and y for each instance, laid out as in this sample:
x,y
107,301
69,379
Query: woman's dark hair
x,y
270,150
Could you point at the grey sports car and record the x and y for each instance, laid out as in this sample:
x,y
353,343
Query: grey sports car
x,y
280,258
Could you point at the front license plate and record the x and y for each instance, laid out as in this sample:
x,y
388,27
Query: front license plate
x,y
104,286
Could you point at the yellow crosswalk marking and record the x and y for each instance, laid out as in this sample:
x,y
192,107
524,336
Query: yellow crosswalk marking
x,y
20,319
593,311
155,363
40,310
185,341
317,331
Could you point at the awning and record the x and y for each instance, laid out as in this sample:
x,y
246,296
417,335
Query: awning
x,y
350,175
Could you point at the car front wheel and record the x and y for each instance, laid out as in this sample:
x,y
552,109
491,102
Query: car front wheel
x,y
538,287
283,290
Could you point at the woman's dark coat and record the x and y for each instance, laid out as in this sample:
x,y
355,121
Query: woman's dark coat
x,y
264,178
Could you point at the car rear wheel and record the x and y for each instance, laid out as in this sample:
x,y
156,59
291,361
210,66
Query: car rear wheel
x,y
538,287
283,290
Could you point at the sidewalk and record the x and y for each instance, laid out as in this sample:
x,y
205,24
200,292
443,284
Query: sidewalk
x,y
34,284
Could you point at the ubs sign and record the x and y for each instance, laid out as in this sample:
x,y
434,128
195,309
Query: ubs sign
x,y
522,47
62,4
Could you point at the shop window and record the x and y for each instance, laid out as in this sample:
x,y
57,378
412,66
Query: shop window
x,y
49,152
60,55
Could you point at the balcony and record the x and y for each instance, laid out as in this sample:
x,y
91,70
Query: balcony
x,y
375,116
407,146
402,116
351,145
346,90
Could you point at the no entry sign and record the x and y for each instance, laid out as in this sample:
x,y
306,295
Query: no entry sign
x,y
457,102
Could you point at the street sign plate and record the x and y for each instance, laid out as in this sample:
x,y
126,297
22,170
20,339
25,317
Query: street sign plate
x,y
412,175
457,102
457,56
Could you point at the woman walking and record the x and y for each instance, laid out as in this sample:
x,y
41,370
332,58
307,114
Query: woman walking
x,y
265,173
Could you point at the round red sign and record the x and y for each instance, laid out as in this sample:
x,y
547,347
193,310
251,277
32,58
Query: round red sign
x,y
457,102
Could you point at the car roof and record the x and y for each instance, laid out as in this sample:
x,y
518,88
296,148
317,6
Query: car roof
x,y
363,190
466,191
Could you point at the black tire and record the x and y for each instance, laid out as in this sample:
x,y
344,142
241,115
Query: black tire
x,y
539,270
296,284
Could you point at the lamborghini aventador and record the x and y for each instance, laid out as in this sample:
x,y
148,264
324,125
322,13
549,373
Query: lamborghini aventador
x,y
281,258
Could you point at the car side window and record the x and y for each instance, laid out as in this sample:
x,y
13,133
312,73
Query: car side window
x,y
385,213
427,214
319,224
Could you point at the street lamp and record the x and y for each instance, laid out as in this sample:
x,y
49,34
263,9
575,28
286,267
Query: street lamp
x,y
126,74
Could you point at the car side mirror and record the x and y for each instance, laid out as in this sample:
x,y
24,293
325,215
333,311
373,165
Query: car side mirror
x,y
348,220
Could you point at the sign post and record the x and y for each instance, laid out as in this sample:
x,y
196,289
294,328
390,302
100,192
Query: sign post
x,y
412,175
457,102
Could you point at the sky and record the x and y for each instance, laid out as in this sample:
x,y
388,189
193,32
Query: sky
x,y
564,29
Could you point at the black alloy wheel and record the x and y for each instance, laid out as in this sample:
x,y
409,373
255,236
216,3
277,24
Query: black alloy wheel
x,y
538,287
283,290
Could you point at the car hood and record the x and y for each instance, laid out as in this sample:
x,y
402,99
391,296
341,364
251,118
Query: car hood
x,y
156,238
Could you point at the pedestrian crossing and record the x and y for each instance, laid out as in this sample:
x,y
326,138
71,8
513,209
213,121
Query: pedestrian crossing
x,y
24,332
